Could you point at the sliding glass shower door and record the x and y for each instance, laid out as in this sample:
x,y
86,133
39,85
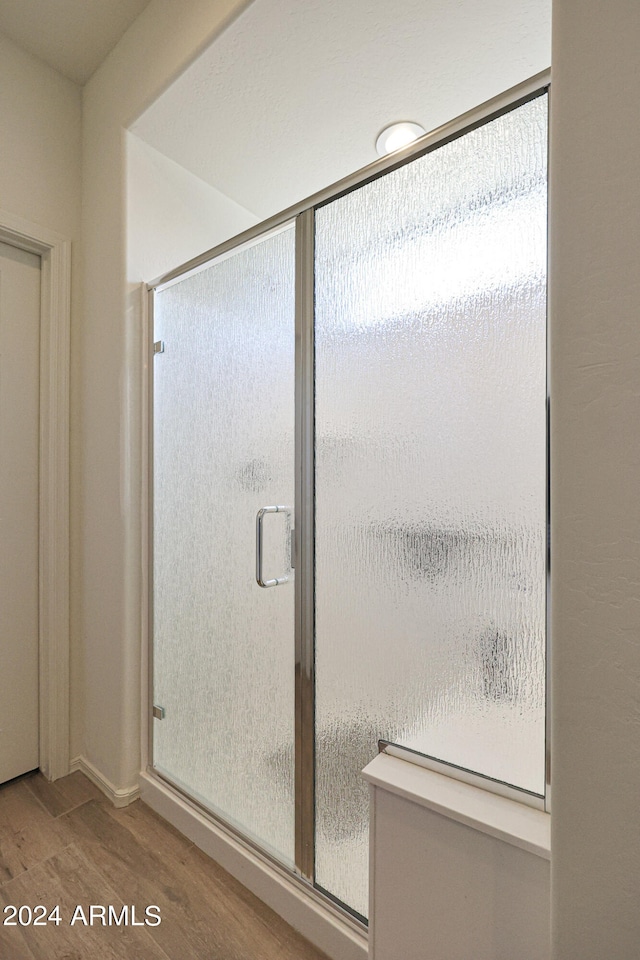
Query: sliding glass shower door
x,y
349,497
223,656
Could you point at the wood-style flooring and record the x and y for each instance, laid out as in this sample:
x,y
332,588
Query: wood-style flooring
x,y
65,845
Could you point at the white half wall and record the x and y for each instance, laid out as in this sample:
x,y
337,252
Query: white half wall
x,y
456,873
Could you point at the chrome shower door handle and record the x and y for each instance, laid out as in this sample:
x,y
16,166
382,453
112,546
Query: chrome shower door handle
x,y
259,539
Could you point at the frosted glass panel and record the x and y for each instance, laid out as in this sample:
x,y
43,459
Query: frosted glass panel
x,y
430,475
224,448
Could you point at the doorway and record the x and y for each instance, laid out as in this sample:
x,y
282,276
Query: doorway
x,y
19,552
349,495
52,602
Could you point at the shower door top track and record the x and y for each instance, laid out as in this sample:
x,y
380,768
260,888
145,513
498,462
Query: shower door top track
x,y
527,90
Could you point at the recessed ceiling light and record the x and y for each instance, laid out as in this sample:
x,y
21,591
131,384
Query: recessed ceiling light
x,y
398,135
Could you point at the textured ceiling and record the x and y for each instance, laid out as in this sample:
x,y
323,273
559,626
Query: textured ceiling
x,y
73,36
291,96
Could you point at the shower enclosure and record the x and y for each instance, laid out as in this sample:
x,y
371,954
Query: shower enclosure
x,y
349,495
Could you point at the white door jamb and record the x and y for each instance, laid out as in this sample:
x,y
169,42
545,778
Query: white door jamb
x,y
55,253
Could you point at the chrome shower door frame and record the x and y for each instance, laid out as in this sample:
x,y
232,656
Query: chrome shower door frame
x,y
304,215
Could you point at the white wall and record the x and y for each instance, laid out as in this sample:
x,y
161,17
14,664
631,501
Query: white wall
x,y
595,358
40,163
40,134
172,215
291,97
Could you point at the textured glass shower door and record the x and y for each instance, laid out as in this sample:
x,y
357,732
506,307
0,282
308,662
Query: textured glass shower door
x,y
382,363
430,475
223,449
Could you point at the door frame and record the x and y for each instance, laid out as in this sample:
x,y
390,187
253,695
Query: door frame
x,y
53,507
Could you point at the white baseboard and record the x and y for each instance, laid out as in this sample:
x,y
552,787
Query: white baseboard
x,y
118,797
329,931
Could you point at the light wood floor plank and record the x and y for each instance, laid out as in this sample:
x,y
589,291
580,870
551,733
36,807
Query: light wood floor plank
x,y
26,848
198,919
19,808
65,844
269,935
13,945
63,795
149,829
69,880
